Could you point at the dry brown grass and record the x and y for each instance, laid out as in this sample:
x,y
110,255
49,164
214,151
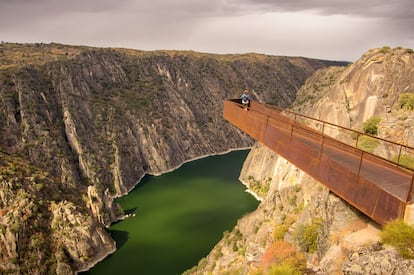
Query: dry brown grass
x,y
15,54
280,253
338,236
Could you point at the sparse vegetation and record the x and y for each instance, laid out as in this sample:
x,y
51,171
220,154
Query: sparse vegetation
x,y
385,49
406,101
283,269
400,235
405,160
259,187
410,51
371,125
279,231
292,200
307,236
368,144
283,257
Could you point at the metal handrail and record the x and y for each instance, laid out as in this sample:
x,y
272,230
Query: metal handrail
x,y
357,152
296,115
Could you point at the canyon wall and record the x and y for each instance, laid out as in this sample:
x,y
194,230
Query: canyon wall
x,y
81,126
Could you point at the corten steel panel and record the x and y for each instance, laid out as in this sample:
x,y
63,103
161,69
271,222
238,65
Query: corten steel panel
x,y
381,206
387,208
305,155
255,124
278,135
359,192
276,139
365,196
251,123
388,178
341,146
347,171
336,177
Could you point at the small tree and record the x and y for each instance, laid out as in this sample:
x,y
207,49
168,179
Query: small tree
x,y
371,125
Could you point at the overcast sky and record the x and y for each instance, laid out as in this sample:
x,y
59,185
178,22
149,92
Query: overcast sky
x,y
326,29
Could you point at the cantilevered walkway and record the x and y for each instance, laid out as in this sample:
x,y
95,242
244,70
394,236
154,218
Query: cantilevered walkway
x,y
379,186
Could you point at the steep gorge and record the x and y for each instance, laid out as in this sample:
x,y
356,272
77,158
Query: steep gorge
x,y
80,126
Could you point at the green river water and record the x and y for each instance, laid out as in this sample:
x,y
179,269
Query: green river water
x,y
179,217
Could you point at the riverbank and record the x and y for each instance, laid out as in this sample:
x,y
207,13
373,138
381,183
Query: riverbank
x,y
173,190
187,161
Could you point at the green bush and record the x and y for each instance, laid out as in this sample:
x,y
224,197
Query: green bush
x,y
307,236
368,144
405,160
401,236
283,269
385,49
279,232
371,125
283,258
261,188
406,101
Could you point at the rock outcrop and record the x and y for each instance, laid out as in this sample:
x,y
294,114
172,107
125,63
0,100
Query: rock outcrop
x,y
299,221
94,121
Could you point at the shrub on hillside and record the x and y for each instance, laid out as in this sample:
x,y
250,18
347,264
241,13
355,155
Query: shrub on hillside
x,y
283,269
283,257
385,49
401,235
307,236
279,231
406,101
371,125
368,144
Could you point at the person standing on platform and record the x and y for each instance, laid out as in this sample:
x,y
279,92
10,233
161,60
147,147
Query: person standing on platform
x,y
245,99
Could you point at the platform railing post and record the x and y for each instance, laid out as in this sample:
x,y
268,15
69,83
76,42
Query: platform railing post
x,y
323,141
356,144
265,128
360,165
399,155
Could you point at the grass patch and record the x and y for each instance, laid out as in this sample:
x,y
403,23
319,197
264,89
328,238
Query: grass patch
x,y
261,188
405,160
368,144
406,101
283,269
279,231
401,236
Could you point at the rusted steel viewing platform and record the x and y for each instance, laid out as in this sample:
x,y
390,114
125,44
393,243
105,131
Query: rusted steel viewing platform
x,y
379,186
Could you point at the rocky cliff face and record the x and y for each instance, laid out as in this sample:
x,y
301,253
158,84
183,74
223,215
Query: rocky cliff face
x,y
349,96
45,227
299,221
93,121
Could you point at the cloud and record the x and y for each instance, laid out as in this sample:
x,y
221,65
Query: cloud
x,y
397,13
332,29
368,8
